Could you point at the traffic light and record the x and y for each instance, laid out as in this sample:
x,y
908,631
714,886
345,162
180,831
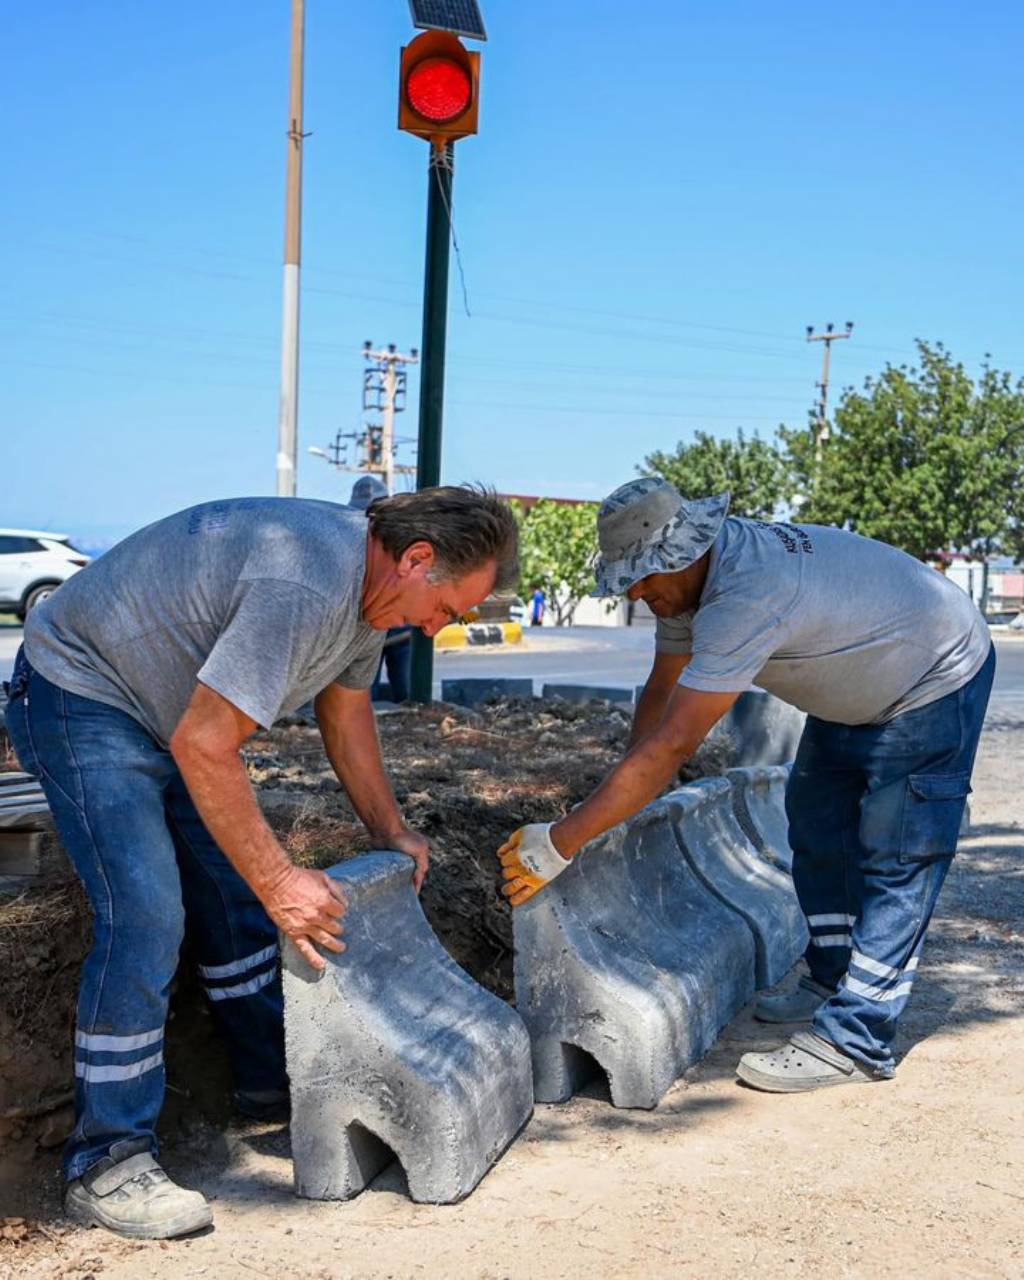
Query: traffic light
x,y
439,88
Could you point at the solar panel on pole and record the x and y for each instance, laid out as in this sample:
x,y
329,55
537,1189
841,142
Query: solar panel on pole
x,y
460,17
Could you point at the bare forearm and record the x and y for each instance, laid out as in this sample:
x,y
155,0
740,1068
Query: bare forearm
x,y
649,710
224,797
635,782
353,749
657,693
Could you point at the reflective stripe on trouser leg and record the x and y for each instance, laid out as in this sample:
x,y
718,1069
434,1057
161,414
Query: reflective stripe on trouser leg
x,y
236,944
862,1017
822,804
918,767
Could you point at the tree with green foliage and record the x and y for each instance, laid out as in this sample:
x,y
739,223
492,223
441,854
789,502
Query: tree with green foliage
x,y
557,545
753,470
923,458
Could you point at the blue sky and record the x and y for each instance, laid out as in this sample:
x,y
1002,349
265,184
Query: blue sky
x,y
651,214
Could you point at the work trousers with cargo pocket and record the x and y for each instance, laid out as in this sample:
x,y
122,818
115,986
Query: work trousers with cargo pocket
x,y
874,815
151,872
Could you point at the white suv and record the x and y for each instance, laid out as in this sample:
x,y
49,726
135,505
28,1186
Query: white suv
x,y
33,564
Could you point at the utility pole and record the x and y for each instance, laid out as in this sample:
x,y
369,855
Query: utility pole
x,y
435,330
821,428
384,390
287,437
384,394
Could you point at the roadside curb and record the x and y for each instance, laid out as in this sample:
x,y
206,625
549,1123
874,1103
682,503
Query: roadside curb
x,y
472,635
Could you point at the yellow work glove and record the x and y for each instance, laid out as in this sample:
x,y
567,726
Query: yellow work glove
x,y
529,861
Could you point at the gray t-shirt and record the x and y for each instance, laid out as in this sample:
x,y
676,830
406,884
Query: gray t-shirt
x,y
257,598
845,628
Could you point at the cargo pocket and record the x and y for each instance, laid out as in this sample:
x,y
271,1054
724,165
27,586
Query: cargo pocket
x,y
932,811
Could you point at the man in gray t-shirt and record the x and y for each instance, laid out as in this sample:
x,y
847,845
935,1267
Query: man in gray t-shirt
x,y
893,665
136,687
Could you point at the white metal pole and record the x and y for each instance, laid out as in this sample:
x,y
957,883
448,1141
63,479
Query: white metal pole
x,y
287,446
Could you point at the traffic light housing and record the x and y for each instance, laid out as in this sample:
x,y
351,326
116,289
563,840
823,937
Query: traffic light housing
x,y
439,88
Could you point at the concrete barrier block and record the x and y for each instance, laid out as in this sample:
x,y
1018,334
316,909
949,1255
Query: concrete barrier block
x,y
765,729
759,802
628,958
471,692
728,864
582,693
762,729
395,1049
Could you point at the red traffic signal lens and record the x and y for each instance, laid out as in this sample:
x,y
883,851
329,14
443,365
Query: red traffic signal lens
x,y
438,89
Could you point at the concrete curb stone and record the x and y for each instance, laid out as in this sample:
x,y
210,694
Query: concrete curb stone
x,y
766,730
723,858
583,693
394,1049
470,692
628,957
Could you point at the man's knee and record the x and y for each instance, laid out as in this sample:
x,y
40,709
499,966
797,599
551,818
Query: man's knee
x,y
146,936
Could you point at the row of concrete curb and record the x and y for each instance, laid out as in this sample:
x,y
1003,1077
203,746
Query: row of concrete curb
x,y
633,959
475,691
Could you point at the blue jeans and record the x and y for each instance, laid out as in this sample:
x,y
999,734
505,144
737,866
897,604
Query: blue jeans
x,y
152,872
874,814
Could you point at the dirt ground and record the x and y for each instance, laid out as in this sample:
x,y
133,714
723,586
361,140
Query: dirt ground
x,y
921,1176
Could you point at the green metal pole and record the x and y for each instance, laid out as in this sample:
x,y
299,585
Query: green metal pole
x,y
432,348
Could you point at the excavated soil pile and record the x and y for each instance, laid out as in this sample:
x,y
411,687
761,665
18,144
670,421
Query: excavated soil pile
x,y
465,778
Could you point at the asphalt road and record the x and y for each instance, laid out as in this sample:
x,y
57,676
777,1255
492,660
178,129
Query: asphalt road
x,y
621,657
616,656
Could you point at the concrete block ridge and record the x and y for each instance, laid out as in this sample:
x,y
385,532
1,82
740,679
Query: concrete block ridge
x,y
629,961
395,1049
724,859
759,802
766,730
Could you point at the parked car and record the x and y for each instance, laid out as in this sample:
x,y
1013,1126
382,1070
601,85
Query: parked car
x,y
33,564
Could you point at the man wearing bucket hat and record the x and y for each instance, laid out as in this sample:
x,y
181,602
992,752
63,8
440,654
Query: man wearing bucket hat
x,y
893,665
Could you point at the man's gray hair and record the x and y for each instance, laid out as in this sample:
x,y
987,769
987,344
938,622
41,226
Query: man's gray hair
x,y
467,525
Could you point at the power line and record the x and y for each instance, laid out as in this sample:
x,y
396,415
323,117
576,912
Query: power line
x,y
548,305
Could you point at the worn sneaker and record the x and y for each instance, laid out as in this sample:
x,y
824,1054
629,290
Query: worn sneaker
x,y
798,1006
134,1197
806,1062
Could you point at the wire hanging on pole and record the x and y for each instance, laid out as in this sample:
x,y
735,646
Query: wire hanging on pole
x,y
439,160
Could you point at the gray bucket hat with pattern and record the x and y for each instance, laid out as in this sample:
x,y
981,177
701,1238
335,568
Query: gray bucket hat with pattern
x,y
645,527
